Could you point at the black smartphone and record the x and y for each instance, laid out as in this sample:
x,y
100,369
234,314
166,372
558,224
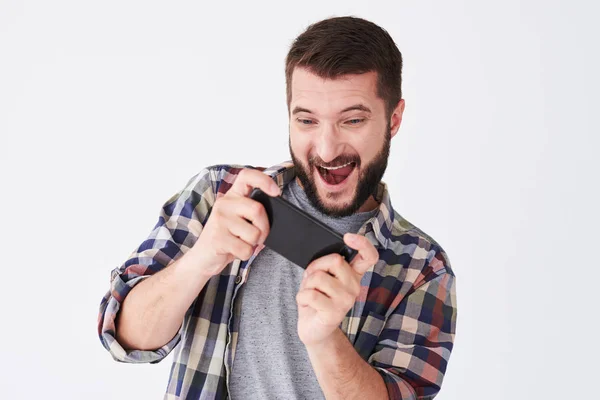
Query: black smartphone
x,y
298,236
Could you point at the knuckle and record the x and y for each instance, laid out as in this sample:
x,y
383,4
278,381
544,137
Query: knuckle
x,y
308,280
256,209
318,275
256,235
247,252
261,214
239,248
262,236
306,275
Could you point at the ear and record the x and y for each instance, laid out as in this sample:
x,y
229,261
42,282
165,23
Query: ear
x,y
396,117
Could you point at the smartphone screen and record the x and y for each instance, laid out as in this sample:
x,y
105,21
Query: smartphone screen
x,y
298,236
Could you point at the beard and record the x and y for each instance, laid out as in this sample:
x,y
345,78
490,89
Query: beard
x,y
368,179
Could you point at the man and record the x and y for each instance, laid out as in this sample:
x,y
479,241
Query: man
x,y
245,322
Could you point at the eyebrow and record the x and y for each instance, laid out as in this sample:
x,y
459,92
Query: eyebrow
x,y
359,107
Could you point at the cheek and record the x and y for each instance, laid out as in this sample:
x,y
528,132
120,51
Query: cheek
x,y
298,141
364,141
367,148
301,146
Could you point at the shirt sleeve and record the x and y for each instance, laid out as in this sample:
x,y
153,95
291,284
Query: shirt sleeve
x,y
180,222
414,346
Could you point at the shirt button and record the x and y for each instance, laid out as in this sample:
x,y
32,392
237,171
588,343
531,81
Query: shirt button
x,y
238,279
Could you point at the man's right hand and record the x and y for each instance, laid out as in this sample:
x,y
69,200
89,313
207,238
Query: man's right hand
x,y
236,224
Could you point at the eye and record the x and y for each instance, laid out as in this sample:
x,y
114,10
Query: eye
x,y
355,121
304,121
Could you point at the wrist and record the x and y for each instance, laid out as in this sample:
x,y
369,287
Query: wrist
x,y
190,268
324,344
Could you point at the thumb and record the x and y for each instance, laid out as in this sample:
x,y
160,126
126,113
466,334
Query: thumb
x,y
367,253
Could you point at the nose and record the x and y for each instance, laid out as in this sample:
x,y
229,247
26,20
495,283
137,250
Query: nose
x,y
329,143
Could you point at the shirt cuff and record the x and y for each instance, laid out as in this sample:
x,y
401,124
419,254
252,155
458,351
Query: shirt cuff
x,y
106,326
398,388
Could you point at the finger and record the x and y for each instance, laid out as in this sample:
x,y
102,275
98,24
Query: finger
x,y
342,296
325,283
245,231
336,265
367,253
250,211
249,178
314,299
238,248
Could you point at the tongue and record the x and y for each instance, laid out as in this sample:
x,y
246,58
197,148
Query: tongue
x,y
338,175
342,172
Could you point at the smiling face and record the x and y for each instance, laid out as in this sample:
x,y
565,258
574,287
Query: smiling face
x,y
340,122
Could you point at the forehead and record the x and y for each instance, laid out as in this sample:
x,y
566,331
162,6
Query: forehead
x,y
347,88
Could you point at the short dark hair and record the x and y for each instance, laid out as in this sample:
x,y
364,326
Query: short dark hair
x,y
348,45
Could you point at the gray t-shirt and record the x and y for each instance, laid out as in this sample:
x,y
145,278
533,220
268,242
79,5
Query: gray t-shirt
x,y
270,360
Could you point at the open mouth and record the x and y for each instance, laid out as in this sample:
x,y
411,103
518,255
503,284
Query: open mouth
x,y
336,176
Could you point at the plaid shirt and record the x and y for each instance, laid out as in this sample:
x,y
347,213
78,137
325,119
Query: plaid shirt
x,y
402,323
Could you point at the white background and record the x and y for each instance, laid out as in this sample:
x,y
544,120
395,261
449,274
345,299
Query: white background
x,y
108,108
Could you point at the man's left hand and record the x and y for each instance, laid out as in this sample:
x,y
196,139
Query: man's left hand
x,y
329,289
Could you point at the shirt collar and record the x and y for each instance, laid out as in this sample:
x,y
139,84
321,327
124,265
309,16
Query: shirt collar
x,y
380,226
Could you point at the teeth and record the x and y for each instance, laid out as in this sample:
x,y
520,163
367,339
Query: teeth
x,y
341,166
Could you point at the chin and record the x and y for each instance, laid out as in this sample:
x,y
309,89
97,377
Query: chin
x,y
336,202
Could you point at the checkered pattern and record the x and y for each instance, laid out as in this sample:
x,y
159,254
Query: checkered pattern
x,y
403,322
